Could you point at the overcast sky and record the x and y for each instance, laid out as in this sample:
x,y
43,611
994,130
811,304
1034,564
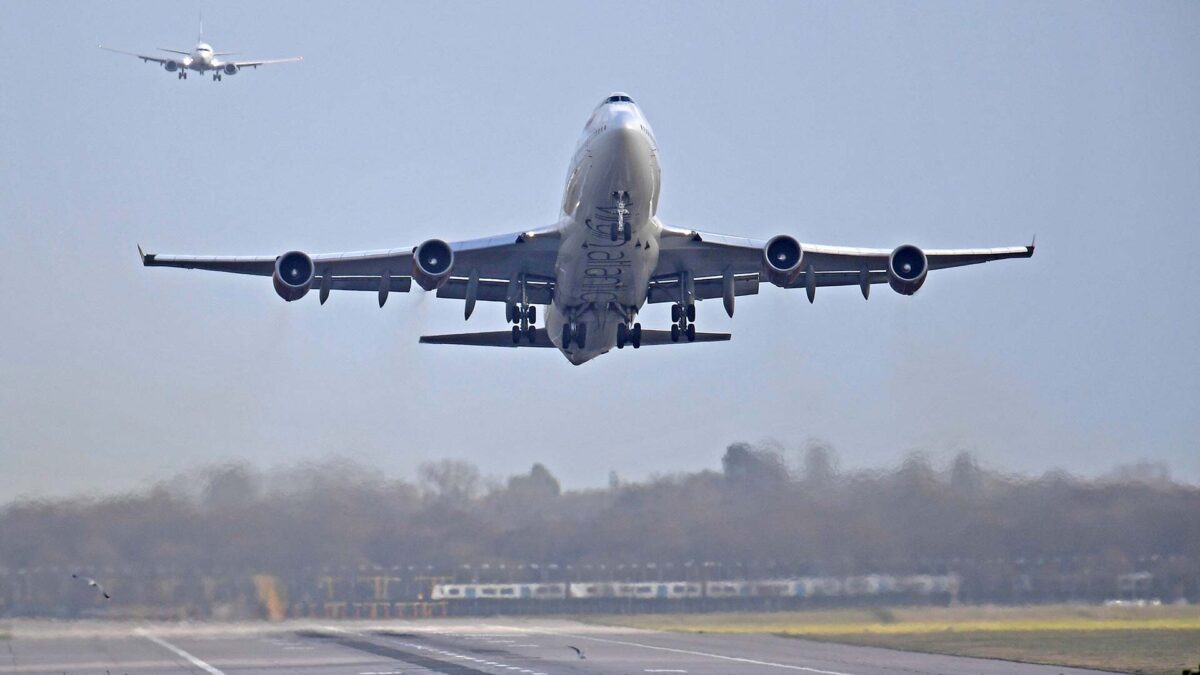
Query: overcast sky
x,y
939,124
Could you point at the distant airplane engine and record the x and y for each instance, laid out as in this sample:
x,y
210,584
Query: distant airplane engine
x,y
171,66
907,267
782,256
293,275
230,69
432,262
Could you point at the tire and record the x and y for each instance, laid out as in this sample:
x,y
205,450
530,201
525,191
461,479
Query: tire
x,y
622,334
675,333
676,312
531,335
691,312
566,336
691,332
580,336
531,314
516,335
637,335
508,312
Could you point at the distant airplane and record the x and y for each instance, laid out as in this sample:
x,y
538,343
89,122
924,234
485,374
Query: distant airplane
x,y
607,255
201,59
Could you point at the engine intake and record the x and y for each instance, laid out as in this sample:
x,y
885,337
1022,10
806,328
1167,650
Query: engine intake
x,y
171,66
293,275
229,69
781,257
432,262
907,267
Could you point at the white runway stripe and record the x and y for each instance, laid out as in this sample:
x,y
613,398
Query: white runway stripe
x,y
181,654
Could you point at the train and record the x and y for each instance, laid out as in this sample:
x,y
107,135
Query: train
x,y
802,587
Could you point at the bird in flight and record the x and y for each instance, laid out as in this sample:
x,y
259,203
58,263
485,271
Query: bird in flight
x,y
94,584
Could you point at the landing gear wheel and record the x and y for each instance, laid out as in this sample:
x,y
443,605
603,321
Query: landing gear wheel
x,y
531,313
566,336
508,312
628,232
516,335
691,332
580,336
636,337
675,333
691,312
622,335
531,335
676,312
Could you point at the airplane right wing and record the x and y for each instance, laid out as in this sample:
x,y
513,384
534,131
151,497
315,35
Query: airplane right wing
x,y
492,262
504,338
144,57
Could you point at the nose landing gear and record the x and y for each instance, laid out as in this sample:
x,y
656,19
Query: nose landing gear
x,y
574,332
621,228
216,77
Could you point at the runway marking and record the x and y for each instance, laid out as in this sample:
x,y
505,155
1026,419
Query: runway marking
x,y
180,653
673,650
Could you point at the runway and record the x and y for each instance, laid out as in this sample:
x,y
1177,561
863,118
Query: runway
x,y
490,646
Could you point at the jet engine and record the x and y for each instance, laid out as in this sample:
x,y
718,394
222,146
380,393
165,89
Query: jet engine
x,y
293,275
171,66
230,69
907,267
432,262
781,257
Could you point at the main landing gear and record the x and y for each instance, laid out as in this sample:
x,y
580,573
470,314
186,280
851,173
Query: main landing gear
x,y
524,316
182,75
216,77
683,317
621,228
629,332
574,332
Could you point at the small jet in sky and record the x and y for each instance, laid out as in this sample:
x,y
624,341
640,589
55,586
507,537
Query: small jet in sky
x,y
606,256
201,59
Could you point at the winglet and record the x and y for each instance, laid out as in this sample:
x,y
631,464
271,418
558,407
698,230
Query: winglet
x,y
1032,245
147,258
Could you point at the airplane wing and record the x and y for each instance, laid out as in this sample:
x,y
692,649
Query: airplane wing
x,y
144,57
504,339
261,62
173,51
707,257
492,261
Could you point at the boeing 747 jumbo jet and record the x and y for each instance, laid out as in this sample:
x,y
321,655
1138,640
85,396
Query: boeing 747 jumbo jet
x,y
606,257
201,59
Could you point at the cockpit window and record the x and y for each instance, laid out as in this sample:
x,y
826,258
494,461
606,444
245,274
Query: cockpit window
x,y
619,99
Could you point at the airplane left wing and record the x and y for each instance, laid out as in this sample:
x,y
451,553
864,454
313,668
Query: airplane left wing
x,y
708,258
260,62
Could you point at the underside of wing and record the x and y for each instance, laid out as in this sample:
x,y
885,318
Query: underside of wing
x,y
144,57
500,338
264,62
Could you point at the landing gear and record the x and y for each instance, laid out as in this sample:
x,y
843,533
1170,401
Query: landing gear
x,y
621,228
682,318
182,75
521,313
216,77
574,332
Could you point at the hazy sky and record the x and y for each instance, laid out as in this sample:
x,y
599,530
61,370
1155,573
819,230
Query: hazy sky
x,y
940,124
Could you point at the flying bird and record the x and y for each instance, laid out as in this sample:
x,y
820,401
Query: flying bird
x,y
94,584
577,651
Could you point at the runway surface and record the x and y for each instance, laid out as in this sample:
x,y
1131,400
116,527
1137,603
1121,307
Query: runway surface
x,y
451,647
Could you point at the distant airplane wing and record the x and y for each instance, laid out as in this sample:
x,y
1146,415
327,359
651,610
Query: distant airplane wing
x,y
707,257
262,62
143,57
504,339
493,260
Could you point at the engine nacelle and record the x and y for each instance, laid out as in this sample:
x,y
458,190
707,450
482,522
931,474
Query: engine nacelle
x,y
171,66
907,267
432,262
293,275
781,258
229,69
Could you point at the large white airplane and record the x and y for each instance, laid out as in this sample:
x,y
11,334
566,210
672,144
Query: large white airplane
x,y
606,257
201,59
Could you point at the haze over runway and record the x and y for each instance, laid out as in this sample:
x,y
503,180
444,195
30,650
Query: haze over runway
x,y
943,126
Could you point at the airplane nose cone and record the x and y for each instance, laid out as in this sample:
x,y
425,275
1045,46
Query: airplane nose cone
x,y
626,134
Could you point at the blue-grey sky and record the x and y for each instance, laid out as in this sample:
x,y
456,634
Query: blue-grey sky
x,y
940,124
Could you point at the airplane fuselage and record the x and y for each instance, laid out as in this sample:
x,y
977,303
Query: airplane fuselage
x,y
609,235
